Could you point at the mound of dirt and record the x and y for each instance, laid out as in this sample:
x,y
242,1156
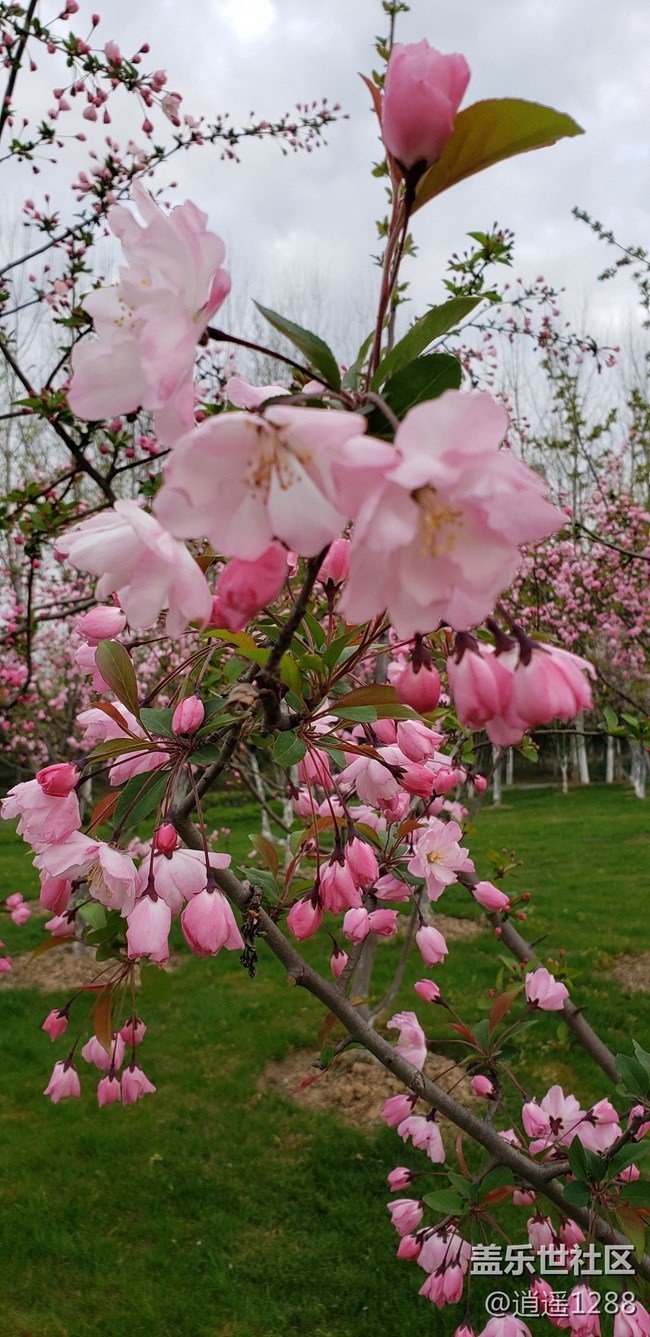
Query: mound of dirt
x,y
63,969
355,1085
633,972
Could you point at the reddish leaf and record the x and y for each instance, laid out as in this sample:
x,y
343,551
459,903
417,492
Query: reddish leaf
x,y
109,709
102,1021
103,811
500,1006
47,946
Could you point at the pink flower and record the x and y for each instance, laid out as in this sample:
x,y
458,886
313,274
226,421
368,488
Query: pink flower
x,y
383,922
108,1090
101,623
437,856
42,819
600,1128
188,716
362,862
540,1232
412,1042
544,991
582,1308
338,962
63,1083
422,93
94,1052
139,561
243,395
179,876
490,897
409,1247
166,837
397,1108
418,687
406,1214
373,777
482,1086
416,740
438,539
433,948
505,1325
635,1324
133,1031
335,567
480,681
424,1134
59,780
444,1248
110,873
554,1122
548,684
135,1084
399,1178
427,990
151,321
56,1022
355,924
209,924
20,913
304,918
293,474
338,890
148,927
86,661
246,587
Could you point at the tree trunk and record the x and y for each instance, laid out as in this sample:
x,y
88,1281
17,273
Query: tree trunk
x,y
497,776
510,766
638,769
581,752
564,769
609,762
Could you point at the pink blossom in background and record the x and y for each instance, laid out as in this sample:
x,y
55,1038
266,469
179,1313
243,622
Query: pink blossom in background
x,y
438,539
422,92
148,324
544,991
139,561
293,474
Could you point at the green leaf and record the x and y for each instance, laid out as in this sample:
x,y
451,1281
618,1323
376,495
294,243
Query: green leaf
x,y
157,721
360,714
642,1055
489,132
611,718
268,852
637,1194
634,1228
629,1156
288,750
444,1201
290,673
497,1178
577,1193
114,664
118,747
577,1159
421,381
93,914
633,1075
316,351
351,378
438,321
144,792
207,755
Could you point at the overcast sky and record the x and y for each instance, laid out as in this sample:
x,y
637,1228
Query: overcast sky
x,y
314,215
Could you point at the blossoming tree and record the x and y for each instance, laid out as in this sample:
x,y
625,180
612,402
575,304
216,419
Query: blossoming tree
x,y
291,539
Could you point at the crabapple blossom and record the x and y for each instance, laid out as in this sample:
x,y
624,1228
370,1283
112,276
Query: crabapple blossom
x,y
209,924
582,1311
437,540
432,945
482,1086
42,818
338,962
56,1022
418,687
427,990
293,474
94,1052
59,780
304,918
406,1214
425,1134
148,926
554,1121
399,1178
438,857
544,991
188,716
396,1109
101,623
600,1128
133,1031
148,324
243,588
490,897
135,1084
63,1083
108,1090
422,92
139,561
412,1043
335,567
635,1324
110,873
505,1325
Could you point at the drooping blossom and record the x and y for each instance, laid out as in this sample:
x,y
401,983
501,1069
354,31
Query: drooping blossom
x,y
437,540
304,918
148,926
149,323
209,924
582,1310
63,1083
425,1134
95,1053
406,1214
109,1090
139,561
397,1108
482,1086
544,991
42,818
293,474
432,946
110,873
135,1084
56,1023
632,1324
412,1042
422,92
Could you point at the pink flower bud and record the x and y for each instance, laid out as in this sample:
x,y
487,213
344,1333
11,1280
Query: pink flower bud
x,y
427,990
406,1214
482,1086
396,1109
422,93
148,927
356,924
490,897
108,1090
362,862
59,780
480,783
338,962
399,1178
433,948
20,914
243,588
133,1031
166,837
383,922
55,894
418,687
135,1084
409,1247
101,623
304,918
209,924
63,1083
188,716
336,565
55,1023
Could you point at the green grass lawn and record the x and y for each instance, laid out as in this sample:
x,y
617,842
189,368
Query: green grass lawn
x,y
209,1209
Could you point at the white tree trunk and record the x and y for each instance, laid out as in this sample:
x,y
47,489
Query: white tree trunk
x,y
497,776
510,766
638,769
581,752
564,769
609,762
